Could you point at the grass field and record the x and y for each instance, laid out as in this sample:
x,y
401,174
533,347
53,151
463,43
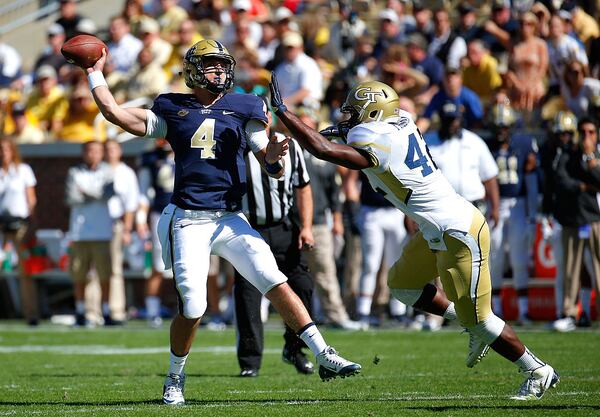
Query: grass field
x,y
56,371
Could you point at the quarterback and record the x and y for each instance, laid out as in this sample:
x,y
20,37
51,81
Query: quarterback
x,y
210,131
453,241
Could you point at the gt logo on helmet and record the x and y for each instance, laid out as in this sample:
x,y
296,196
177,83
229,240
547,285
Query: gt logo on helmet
x,y
365,93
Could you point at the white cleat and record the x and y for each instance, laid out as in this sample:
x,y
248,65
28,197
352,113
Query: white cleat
x,y
537,383
477,350
332,365
173,389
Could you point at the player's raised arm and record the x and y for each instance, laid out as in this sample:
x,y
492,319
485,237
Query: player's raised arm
x,y
133,120
312,140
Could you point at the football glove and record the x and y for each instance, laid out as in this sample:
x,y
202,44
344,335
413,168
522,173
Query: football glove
x,y
276,100
334,132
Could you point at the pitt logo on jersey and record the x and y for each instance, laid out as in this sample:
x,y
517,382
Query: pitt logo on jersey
x,y
368,95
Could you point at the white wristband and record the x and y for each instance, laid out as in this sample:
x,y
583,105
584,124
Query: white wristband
x,y
96,79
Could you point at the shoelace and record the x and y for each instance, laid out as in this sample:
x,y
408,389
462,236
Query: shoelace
x,y
336,359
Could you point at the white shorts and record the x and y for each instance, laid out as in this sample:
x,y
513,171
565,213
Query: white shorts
x,y
189,237
157,262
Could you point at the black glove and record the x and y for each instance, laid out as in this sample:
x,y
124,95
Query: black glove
x,y
276,100
334,131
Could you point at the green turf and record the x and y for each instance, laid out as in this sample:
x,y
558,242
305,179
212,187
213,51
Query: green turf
x,y
418,374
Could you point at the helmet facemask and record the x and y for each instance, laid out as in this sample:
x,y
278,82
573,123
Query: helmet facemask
x,y
195,72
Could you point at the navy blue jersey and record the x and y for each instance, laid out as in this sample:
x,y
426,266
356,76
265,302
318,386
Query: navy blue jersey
x,y
511,165
209,145
162,172
370,197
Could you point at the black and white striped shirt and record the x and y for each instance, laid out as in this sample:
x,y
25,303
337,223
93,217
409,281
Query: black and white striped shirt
x,y
268,200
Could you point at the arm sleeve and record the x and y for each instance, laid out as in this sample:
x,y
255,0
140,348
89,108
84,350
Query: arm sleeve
x,y
73,194
156,126
373,144
564,180
432,107
256,135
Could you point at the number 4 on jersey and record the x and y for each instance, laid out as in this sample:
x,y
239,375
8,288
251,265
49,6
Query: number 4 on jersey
x,y
415,157
204,138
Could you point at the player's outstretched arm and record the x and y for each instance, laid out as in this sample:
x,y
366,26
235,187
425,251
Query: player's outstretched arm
x,y
312,140
133,120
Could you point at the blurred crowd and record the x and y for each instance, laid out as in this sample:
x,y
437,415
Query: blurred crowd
x,y
492,67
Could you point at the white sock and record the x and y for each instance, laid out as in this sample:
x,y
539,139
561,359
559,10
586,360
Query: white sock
x,y
450,312
585,294
497,305
528,362
523,302
105,310
152,306
177,364
397,308
313,339
363,305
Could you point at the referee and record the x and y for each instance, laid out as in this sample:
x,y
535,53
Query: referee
x,y
267,205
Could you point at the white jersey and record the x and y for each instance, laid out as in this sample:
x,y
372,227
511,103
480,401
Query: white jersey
x,y
406,175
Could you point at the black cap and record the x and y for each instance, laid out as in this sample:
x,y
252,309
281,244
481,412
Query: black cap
x,y
464,8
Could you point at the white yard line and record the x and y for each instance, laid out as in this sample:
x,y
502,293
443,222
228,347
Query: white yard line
x,y
114,350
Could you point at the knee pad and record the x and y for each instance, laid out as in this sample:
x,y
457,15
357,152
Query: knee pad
x,y
489,329
407,296
194,310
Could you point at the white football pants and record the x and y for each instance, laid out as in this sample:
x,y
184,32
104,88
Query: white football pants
x,y
382,236
513,231
191,236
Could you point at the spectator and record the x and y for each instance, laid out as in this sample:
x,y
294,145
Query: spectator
x,y
24,131
10,64
389,32
170,18
17,204
123,47
157,178
300,77
187,36
241,17
122,208
423,19
327,228
146,78
69,18
561,49
499,31
133,12
149,33
51,54
268,43
516,157
578,90
268,205
585,26
78,125
481,73
577,186
451,147
46,104
463,97
343,34
89,187
395,71
467,27
562,131
528,64
429,65
284,23
446,45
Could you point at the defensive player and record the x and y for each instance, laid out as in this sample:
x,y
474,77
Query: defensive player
x,y
516,157
453,241
209,131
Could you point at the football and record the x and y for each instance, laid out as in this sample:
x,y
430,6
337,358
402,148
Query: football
x,y
83,50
